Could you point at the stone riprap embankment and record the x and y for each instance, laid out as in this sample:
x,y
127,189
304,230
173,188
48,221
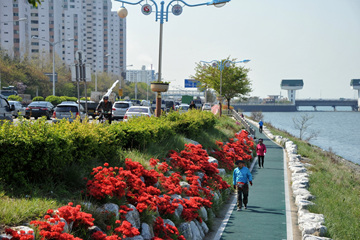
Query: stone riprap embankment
x,y
310,224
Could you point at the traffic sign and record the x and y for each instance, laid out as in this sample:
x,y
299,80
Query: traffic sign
x,y
191,83
120,92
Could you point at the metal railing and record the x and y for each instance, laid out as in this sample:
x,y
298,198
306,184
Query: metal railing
x,y
243,121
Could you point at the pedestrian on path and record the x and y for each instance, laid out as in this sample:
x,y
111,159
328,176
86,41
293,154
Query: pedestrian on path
x,y
260,152
261,124
241,177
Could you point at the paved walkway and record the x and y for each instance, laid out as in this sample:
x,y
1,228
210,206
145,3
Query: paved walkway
x,y
266,216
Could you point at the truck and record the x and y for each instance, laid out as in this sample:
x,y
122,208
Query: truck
x,y
186,99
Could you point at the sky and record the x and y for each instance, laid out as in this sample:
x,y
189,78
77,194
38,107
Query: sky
x,y
314,40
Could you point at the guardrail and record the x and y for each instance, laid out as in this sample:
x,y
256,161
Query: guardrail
x,y
243,121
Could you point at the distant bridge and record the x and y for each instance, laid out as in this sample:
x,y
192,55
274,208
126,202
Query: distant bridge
x,y
327,102
276,107
177,94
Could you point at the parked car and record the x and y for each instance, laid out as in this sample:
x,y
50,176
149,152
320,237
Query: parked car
x,y
206,107
5,109
19,109
138,111
39,109
145,103
68,110
170,105
119,109
183,108
163,105
91,107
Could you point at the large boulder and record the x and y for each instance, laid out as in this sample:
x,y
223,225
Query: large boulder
x,y
133,217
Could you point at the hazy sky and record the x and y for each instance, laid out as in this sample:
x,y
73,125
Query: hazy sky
x,y
314,40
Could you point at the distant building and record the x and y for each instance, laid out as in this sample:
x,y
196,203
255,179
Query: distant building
x,y
95,30
292,85
142,75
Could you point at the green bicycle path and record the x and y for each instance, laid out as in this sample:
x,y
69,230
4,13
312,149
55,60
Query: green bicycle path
x,y
265,217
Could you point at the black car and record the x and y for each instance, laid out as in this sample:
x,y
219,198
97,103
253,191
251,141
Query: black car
x,y
39,109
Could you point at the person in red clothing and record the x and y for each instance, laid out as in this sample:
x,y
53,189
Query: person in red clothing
x,y
260,152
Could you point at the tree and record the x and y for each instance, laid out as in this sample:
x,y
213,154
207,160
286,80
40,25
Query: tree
x,y
302,124
235,81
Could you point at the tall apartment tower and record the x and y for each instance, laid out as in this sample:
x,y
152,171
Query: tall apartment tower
x,y
66,26
15,34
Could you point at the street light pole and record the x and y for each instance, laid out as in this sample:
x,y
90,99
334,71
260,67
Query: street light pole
x,y
53,56
160,15
221,65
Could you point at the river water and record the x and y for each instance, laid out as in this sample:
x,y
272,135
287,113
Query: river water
x,y
338,131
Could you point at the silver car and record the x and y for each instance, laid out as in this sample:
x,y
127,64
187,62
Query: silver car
x,y
119,109
138,111
19,109
68,110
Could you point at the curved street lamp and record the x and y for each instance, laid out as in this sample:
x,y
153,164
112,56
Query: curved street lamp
x,y
53,55
221,65
162,14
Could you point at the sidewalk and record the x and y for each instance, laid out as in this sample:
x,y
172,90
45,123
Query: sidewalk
x,y
266,216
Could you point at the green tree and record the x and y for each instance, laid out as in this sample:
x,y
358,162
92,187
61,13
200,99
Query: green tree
x,y
235,80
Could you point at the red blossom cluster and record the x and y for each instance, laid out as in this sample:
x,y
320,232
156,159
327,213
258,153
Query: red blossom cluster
x,y
19,236
164,231
234,150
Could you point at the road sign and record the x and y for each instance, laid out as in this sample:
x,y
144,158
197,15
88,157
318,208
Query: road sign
x,y
191,83
120,92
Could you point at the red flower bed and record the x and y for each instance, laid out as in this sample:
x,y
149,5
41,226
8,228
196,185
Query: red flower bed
x,y
234,150
136,185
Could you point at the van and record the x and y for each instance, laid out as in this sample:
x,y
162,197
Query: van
x,y
5,109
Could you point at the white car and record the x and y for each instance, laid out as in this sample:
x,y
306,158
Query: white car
x,y
206,107
19,109
138,111
183,108
119,109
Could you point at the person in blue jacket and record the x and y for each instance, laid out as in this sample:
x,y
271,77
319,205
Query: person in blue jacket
x,y
261,126
241,177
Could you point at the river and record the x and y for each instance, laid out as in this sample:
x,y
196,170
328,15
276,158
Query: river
x,y
338,131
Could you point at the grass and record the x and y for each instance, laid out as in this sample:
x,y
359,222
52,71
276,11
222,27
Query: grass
x,y
336,187
19,206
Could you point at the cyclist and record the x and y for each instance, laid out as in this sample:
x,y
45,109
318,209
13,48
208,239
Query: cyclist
x,y
105,107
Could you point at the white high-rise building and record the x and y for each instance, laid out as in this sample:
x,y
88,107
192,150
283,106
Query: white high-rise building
x,y
143,75
89,26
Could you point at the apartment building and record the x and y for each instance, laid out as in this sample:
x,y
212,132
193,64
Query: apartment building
x,y
143,75
65,26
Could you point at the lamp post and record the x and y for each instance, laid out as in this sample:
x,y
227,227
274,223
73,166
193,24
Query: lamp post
x,y
53,56
162,14
221,65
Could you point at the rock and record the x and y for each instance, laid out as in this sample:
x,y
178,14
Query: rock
x,y
222,172
133,217
205,228
146,231
203,213
185,184
312,237
111,208
178,211
168,221
198,224
139,237
213,160
186,230
195,231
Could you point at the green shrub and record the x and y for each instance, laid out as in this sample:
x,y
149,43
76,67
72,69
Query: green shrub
x,y
38,98
55,100
15,98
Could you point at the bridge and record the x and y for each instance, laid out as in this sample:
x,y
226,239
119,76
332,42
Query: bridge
x,y
277,107
177,94
353,103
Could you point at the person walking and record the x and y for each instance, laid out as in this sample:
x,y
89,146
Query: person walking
x,y
192,105
261,126
241,177
260,152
